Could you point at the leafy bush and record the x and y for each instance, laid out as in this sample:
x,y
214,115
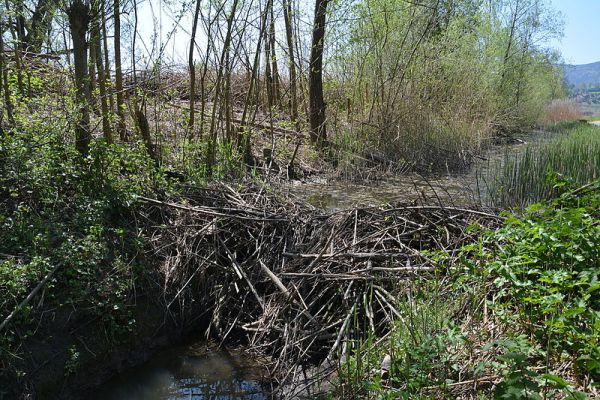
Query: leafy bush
x,y
546,267
520,314
57,208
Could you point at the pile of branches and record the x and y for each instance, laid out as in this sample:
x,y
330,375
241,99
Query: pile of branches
x,y
289,279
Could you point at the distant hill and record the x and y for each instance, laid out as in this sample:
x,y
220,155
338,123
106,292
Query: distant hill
x,y
582,76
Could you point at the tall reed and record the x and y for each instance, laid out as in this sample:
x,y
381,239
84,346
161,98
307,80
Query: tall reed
x,y
524,177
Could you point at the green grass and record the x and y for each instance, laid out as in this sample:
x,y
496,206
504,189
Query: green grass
x,y
530,175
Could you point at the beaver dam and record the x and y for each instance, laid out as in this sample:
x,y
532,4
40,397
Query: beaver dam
x,y
290,282
251,291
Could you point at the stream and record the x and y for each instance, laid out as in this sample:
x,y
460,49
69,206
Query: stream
x,y
192,371
458,189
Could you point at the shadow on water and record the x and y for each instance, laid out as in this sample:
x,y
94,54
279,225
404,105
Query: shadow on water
x,y
188,372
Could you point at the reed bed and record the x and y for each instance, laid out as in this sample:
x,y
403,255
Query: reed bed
x,y
560,111
536,173
289,280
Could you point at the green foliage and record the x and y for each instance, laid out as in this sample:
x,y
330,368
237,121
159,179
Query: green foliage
x,y
521,381
538,277
57,208
431,83
545,267
425,350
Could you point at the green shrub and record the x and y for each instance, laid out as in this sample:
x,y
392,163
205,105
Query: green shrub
x,y
57,208
519,304
546,268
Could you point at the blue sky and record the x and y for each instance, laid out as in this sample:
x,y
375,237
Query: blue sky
x,y
581,42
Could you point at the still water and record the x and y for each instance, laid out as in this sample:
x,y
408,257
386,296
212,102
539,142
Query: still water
x,y
188,372
460,189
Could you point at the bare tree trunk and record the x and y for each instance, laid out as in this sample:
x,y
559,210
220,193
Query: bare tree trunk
x,y
318,132
14,29
270,85
143,128
212,144
111,100
192,69
289,33
95,38
92,68
4,81
227,98
79,19
209,41
511,37
273,58
121,128
243,136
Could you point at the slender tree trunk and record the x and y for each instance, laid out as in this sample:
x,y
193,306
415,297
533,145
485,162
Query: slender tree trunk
x,y
318,132
4,81
111,101
243,136
511,36
289,33
228,107
20,24
212,144
92,72
79,19
209,42
95,38
66,47
273,58
134,40
14,29
192,68
268,75
143,128
121,128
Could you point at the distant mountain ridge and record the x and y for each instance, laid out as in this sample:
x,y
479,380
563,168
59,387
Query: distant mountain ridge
x,y
585,74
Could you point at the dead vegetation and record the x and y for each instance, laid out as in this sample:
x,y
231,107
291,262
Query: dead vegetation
x,y
288,279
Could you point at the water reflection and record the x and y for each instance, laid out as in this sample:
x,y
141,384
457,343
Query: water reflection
x,y
188,372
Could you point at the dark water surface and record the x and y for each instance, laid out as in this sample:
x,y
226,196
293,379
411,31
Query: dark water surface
x,y
188,372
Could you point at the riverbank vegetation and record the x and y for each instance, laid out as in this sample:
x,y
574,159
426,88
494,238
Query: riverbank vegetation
x,y
417,86
136,203
515,316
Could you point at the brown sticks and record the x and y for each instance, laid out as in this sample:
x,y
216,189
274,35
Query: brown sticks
x,y
289,279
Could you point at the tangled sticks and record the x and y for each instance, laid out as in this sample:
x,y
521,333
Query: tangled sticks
x,y
290,279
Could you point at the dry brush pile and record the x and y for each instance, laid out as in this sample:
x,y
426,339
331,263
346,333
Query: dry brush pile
x,y
290,279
